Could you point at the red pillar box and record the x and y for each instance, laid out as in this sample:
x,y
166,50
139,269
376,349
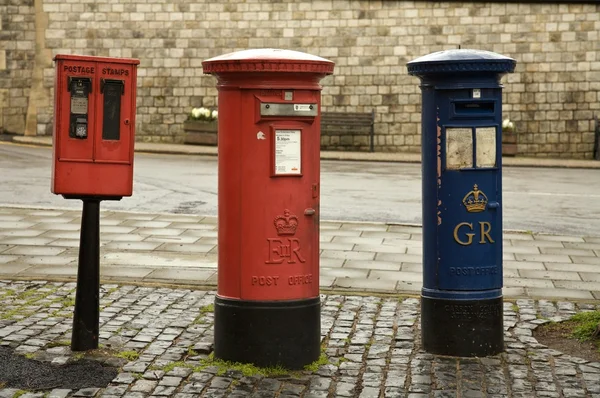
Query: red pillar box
x,y
267,309
94,126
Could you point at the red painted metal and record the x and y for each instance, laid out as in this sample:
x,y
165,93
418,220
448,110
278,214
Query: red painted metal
x,y
93,166
268,222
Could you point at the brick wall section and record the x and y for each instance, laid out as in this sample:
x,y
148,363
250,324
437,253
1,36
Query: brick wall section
x,y
17,51
552,97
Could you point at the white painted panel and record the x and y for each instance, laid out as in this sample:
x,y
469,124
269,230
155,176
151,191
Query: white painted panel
x,y
459,148
486,146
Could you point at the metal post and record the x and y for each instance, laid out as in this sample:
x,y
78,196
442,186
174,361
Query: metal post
x,y
372,138
86,318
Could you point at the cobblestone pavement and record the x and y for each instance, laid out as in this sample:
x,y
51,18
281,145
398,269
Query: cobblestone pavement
x,y
367,257
372,346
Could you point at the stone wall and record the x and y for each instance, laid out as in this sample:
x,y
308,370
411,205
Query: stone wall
x,y
17,52
551,98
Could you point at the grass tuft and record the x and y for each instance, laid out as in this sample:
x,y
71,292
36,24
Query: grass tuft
x,y
587,324
128,355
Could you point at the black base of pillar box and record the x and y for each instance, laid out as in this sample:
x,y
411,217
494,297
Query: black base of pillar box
x,y
462,328
268,333
86,317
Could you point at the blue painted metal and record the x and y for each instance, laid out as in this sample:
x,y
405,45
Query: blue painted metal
x,y
462,201
450,269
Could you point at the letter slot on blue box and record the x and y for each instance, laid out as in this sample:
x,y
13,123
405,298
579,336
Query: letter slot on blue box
x,y
461,299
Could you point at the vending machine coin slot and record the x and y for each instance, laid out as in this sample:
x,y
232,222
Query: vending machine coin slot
x,y
80,88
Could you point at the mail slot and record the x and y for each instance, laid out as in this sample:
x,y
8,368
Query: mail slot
x,y
94,126
474,108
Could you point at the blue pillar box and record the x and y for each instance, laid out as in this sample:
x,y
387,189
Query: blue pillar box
x,y
461,299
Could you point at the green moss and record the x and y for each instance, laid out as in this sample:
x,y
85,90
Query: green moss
x,y
203,311
29,297
30,355
169,367
514,307
313,367
207,308
19,393
17,311
7,293
245,368
586,323
128,355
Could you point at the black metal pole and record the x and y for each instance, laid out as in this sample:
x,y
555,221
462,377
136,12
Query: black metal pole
x,y
372,138
86,318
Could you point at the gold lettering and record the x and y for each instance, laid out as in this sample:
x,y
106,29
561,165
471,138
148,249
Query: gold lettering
x,y
485,232
470,236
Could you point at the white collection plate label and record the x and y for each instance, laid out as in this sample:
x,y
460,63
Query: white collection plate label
x,y
302,107
287,151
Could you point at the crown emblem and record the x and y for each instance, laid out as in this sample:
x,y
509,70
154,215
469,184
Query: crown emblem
x,y
286,224
475,201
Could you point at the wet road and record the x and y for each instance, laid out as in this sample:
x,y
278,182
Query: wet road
x,y
541,200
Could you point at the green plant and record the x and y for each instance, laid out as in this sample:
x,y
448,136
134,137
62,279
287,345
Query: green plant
x,y
588,324
313,367
128,355
245,368
207,308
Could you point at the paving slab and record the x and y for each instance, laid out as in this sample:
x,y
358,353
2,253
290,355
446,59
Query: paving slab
x,y
336,246
555,293
586,260
348,255
568,252
192,276
590,276
50,270
570,267
374,265
36,250
46,260
404,276
552,275
528,282
546,258
364,284
125,273
13,269
135,246
587,285
404,258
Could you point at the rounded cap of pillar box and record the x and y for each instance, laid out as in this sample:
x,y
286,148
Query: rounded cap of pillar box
x,y
461,61
267,60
